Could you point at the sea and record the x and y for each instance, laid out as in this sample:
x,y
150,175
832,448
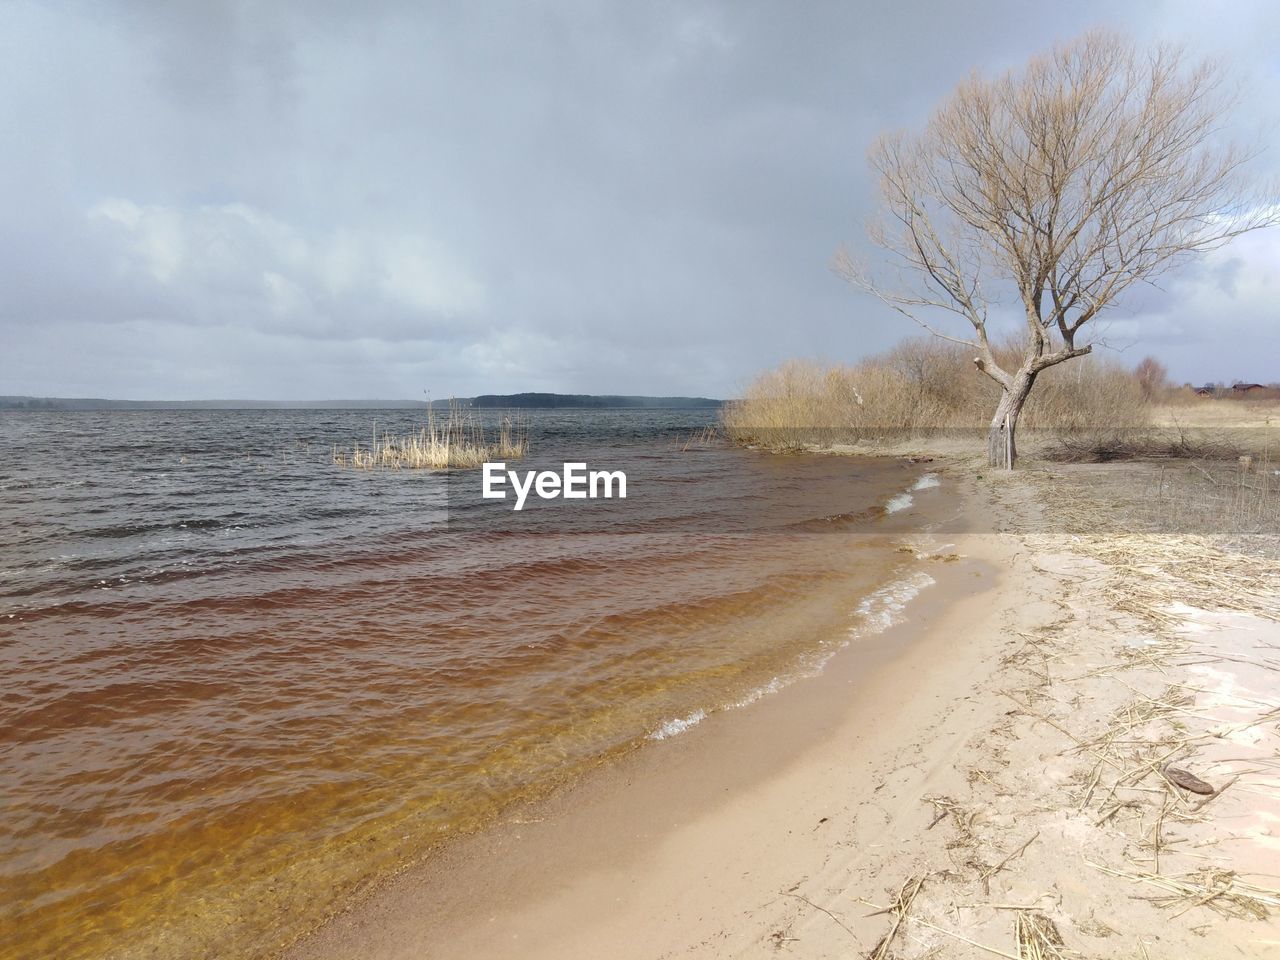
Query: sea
x,y
242,682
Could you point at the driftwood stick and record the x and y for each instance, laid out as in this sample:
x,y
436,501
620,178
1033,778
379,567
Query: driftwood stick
x,y
815,906
1214,796
986,877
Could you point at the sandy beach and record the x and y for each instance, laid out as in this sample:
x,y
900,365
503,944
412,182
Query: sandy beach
x,y
985,778
640,481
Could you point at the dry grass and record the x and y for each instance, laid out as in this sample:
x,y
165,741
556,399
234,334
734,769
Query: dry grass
x,y
1037,937
1204,430
1142,445
1135,781
900,909
1241,498
1186,396
1220,890
1152,573
923,387
1119,793
1189,411
1139,781
1234,503
458,440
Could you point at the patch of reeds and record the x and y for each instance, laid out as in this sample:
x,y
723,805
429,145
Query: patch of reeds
x,y
458,440
702,439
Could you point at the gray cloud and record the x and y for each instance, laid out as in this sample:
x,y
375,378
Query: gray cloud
x,y
302,200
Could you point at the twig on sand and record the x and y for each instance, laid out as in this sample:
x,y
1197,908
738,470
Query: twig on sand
x,y
986,877
963,939
900,907
1060,728
1156,831
1214,796
815,906
944,806
882,948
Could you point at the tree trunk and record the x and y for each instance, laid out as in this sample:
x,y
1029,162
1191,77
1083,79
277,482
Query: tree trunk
x,y
1002,450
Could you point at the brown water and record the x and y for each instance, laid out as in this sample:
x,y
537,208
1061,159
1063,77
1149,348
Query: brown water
x,y
239,682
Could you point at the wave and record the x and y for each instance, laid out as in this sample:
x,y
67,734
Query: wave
x,y
760,692
875,614
675,727
905,500
882,609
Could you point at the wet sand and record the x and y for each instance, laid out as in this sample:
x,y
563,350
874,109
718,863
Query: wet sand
x,y
921,754
696,839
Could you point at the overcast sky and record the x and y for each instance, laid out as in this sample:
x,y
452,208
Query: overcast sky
x,y
303,200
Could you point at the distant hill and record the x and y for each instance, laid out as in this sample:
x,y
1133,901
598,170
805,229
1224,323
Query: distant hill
x,y
589,401
508,401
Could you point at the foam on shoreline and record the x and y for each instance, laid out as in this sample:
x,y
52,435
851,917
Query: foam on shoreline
x,y
882,609
674,727
905,500
875,614
901,502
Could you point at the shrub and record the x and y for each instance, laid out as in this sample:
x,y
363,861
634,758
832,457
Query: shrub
x,y
922,387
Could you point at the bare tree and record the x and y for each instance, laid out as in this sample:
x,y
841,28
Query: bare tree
x,y
1056,187
1153,378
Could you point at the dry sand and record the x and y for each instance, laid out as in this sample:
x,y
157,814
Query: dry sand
x,y
992,765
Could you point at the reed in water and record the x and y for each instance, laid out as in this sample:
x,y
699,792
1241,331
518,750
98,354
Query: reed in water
x,y
459,440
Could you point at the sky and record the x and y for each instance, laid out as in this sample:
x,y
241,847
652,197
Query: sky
x,y
279,200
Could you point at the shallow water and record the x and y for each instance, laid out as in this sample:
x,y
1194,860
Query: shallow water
x,y
239,681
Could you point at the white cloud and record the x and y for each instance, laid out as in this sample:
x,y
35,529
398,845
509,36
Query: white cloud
x,y
1215,318
155,235
617,197
413,273
219,262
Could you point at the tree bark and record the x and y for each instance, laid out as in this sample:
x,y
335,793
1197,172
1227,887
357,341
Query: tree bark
x,y
1002,449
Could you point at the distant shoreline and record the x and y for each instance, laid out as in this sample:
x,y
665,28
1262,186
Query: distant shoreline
x,y
488,401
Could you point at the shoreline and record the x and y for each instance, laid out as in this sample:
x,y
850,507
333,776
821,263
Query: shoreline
x,y
935,767
732,773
